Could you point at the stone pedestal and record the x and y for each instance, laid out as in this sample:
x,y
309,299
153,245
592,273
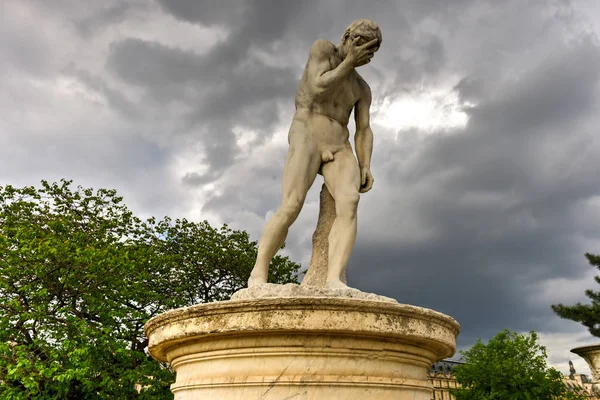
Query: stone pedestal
x,y
591,355
302,348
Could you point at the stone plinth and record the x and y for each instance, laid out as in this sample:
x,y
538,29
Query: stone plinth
x,y
591,355
302,348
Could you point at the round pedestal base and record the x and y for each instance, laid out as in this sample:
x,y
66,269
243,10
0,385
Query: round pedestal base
x,y
302,348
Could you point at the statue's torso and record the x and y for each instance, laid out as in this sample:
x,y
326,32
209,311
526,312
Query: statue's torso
x,y
326,115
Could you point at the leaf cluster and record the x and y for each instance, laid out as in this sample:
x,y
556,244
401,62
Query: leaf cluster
x,y
79,277
586,314
510,366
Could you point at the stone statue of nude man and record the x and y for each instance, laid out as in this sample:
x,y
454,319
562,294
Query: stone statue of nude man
x,y
318,143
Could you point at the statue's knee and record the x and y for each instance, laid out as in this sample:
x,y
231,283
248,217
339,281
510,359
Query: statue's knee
x,y
291,208
346,204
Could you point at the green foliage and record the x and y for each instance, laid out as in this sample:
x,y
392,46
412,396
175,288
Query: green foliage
x,y
509,366
79,277
586,314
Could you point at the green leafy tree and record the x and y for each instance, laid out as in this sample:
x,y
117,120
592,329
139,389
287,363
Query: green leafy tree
x,y
509,366
79,277
586,314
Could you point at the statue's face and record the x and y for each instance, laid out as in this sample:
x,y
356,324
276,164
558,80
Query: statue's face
x,y
363,38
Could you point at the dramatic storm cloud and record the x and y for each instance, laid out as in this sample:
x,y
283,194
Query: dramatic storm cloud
x,y
485,116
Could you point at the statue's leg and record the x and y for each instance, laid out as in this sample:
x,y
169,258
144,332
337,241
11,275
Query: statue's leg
x,y
342,177
301,167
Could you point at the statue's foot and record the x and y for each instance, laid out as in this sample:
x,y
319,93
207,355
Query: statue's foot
x,y
256,280
337,284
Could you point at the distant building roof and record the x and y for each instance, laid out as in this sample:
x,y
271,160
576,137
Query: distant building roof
x,y
445,366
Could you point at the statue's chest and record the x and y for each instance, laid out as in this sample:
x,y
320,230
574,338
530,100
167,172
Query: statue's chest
x,y
345,93
347,89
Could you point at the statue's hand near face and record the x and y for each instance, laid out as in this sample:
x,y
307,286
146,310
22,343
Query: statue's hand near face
x,y
359,53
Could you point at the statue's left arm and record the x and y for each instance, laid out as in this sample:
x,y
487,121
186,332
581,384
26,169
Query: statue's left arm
x,y
363,139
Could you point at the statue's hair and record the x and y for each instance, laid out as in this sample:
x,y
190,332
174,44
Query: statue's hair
x,y
366,28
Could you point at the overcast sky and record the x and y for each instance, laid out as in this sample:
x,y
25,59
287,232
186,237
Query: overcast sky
x,y
485,117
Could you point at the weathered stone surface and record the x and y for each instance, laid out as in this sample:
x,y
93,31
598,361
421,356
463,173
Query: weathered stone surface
x,y
329,90
271,290
302,348
317,270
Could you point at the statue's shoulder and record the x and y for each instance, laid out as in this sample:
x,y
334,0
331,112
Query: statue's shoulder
x,y
363,85
322,47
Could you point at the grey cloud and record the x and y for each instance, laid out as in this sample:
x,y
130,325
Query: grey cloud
x,y
265,18
112,13
115,99
208,12
195,178
255,190
245,97
555,92
252,23
23,50
112,158
501,144
436,57
224,86
221,97
161,69
469,89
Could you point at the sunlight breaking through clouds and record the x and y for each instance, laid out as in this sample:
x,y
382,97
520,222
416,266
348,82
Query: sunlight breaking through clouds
x,y
427,111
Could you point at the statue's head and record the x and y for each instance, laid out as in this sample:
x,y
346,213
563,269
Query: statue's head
x,y
365,29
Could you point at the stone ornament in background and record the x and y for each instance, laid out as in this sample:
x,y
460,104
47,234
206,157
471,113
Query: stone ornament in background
x,y
330,89
591,355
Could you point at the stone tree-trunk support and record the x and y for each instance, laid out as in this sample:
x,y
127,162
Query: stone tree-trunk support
x,y
317,270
